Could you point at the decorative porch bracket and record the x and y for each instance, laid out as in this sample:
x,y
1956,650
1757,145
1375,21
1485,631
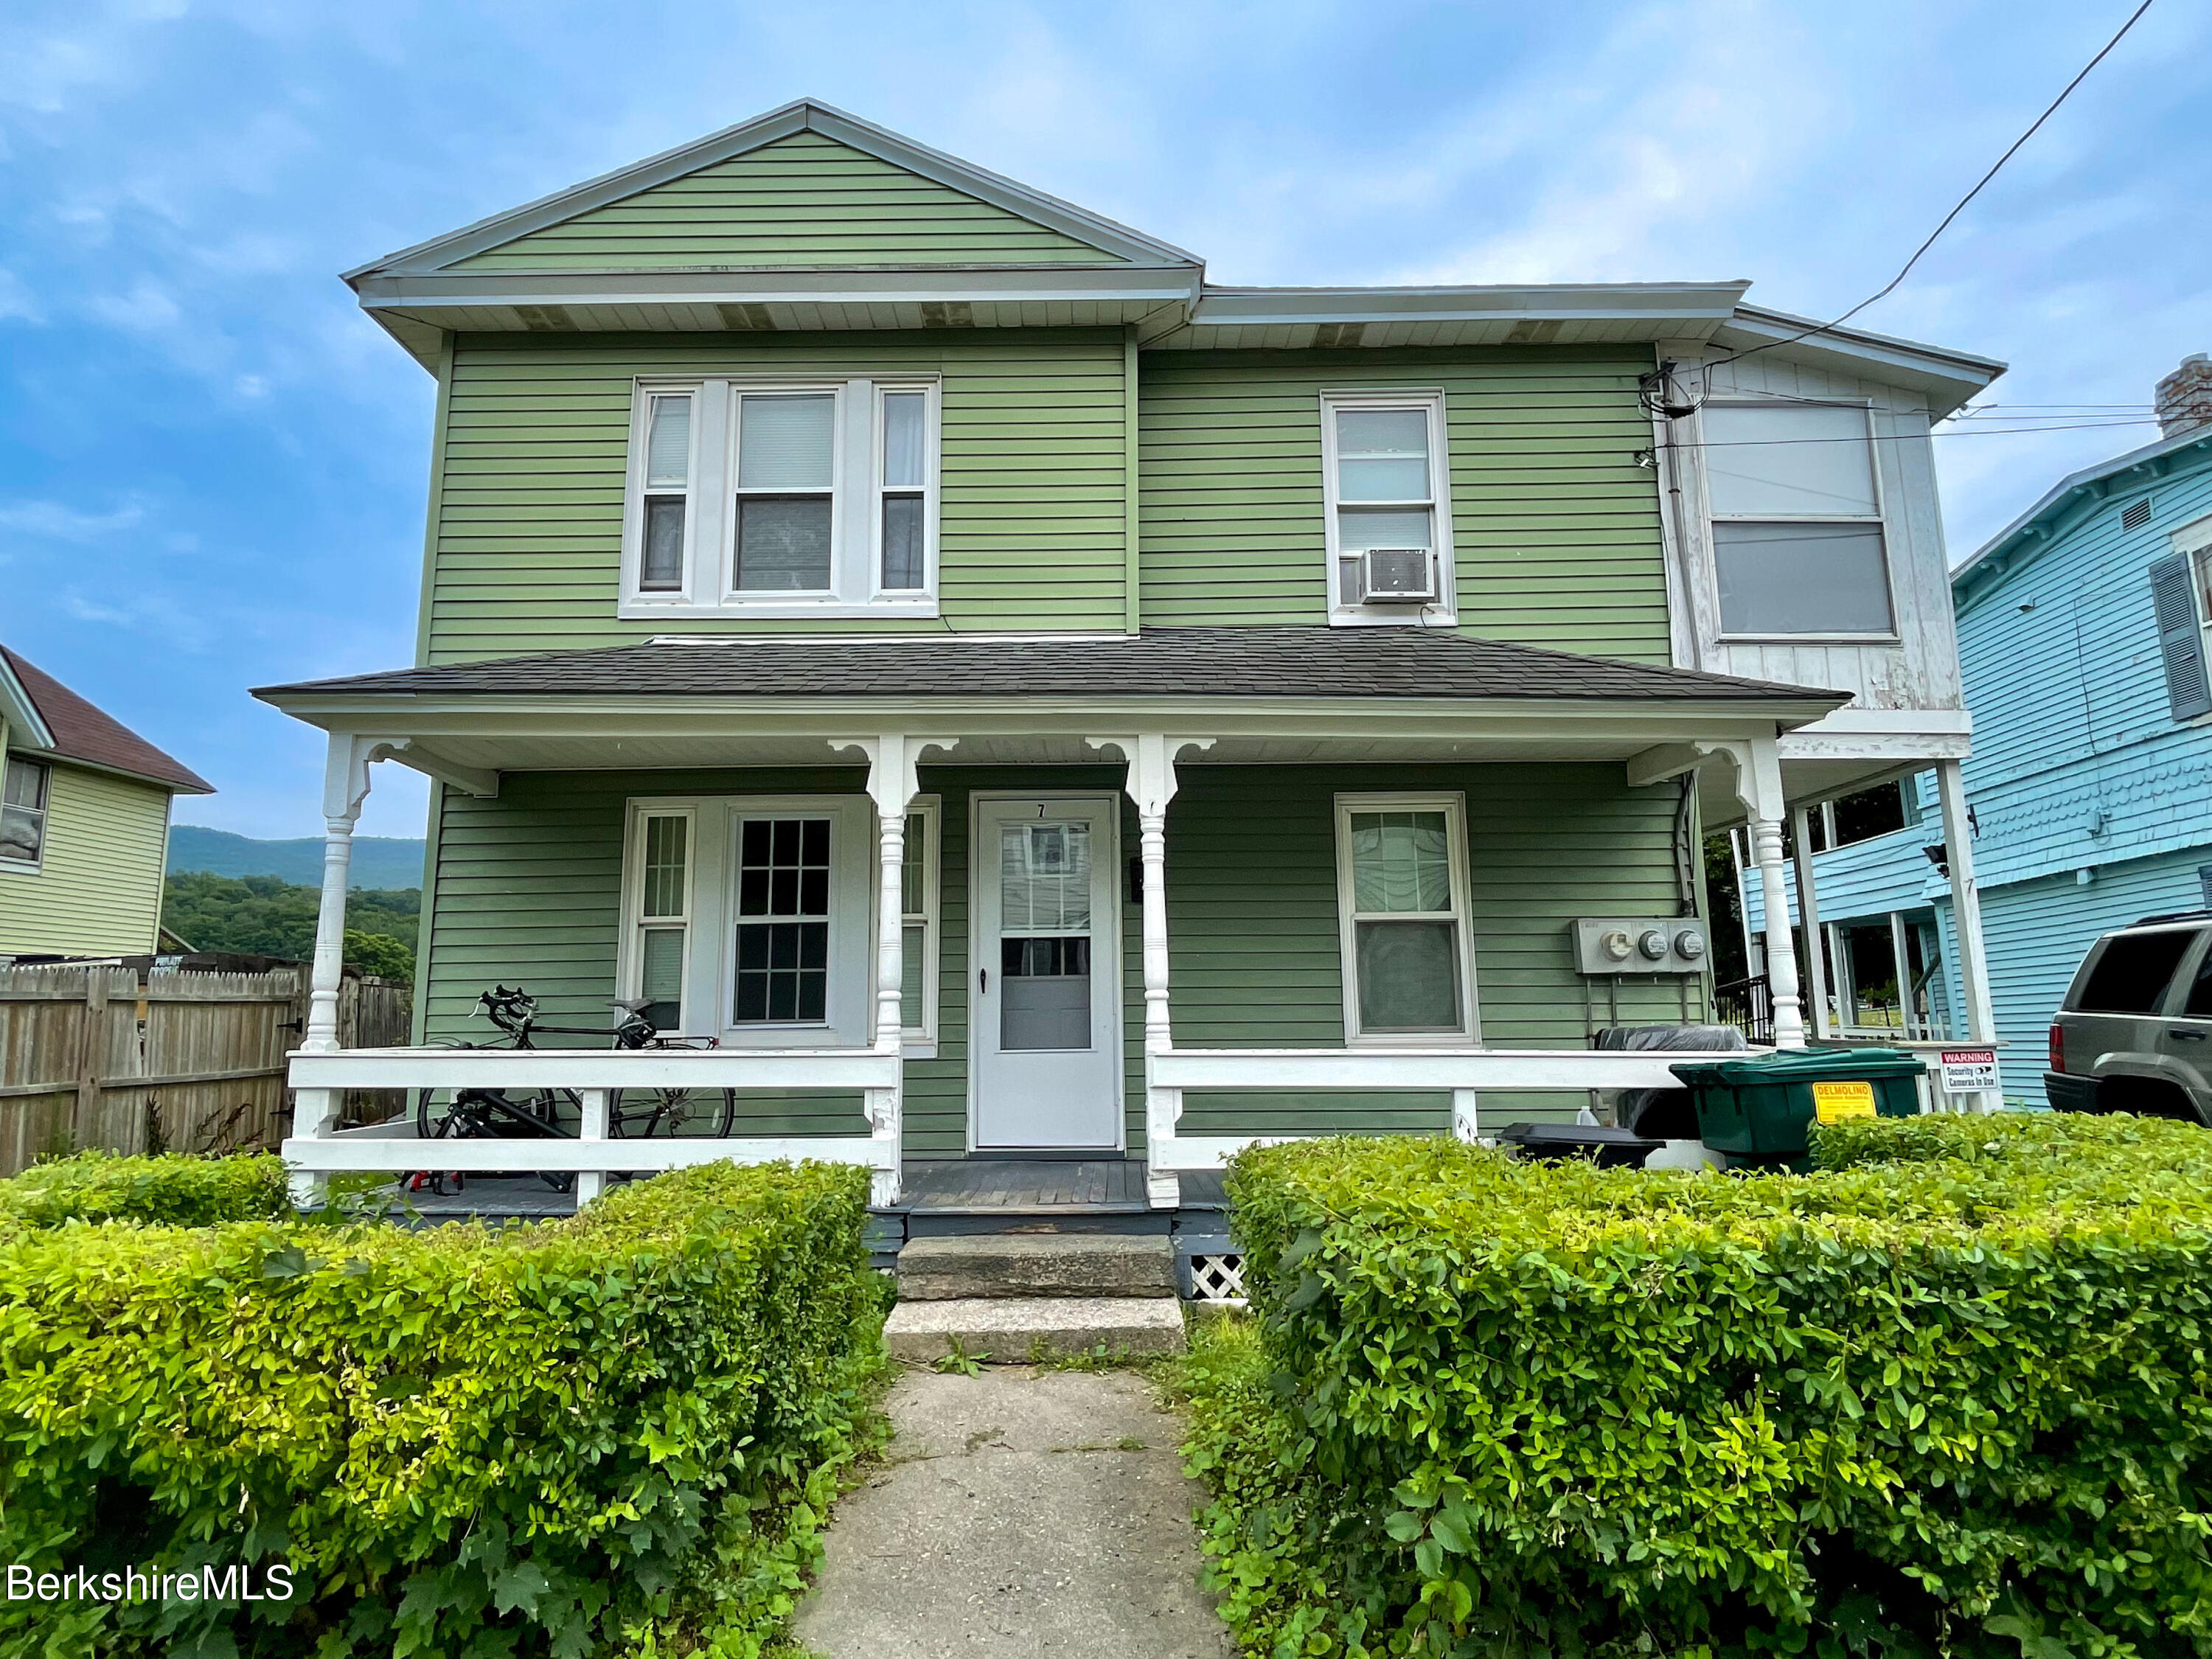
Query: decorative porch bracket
x,y
1755,767
1149,782
893,764
345,785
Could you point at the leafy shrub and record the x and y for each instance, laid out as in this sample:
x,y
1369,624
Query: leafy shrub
x,y
462,1441
167,1192
1950,1395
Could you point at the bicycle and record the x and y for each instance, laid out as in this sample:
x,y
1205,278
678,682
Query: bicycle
x,y
557,1114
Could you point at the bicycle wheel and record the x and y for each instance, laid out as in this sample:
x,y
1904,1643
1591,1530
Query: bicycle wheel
x,y
634,1114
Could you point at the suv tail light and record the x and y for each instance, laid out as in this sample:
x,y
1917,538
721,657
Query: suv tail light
x,y
2058,1047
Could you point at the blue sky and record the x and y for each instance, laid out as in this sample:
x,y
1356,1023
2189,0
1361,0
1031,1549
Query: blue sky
x,y
212,467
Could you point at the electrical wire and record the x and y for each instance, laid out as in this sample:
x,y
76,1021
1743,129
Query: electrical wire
x,y
1886,289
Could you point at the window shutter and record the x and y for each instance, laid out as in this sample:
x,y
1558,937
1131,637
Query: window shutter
x,y
2180,643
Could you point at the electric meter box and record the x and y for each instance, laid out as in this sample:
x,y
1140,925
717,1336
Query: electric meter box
x,y
1612,945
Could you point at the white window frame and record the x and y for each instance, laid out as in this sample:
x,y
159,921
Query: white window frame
x,y
1452,803
1879,518
1444,611
2193,542
709,588
710,948
919,1042
45,809
629,955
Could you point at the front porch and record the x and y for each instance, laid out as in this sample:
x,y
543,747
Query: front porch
x,y
1132,933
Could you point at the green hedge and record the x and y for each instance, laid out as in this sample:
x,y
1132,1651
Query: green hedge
x,y
1950,1395
467,1442
168,1191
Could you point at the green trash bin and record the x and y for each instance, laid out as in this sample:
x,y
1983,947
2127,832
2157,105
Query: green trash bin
x,y
1759,1111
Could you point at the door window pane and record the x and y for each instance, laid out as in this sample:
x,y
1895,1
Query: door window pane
x,y
902,543
1044,877
2131,976
913,866
1408,974
1383,455
783,950
1801,578
783,542
913,963
1044,994
786,442
1400,861
1789,461
903,451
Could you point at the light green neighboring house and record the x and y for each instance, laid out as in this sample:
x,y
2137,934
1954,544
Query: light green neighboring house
x,y
1019,698
84,823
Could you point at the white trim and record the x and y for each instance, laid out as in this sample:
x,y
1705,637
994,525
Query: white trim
x,y
921,1040
1452,803
711,517
1444,612
630,965
1105,962
802,114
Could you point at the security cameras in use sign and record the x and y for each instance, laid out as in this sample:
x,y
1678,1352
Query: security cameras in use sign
x,y
1969,1070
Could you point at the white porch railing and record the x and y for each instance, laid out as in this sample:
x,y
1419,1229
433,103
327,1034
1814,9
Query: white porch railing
x,y
317,1150
1464,1073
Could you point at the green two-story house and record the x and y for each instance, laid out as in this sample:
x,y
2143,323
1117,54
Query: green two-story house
x,y
1017,698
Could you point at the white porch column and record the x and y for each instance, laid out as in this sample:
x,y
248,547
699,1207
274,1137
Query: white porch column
x,y
345,784
1808,921
1966,908
1759,787
1150,783
591,1183
893,760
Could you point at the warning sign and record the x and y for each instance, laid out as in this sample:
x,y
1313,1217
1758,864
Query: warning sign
x,y
1969,1070
1834,1102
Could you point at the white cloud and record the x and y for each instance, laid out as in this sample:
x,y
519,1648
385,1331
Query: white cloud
x,y
16,300
57,521
146,309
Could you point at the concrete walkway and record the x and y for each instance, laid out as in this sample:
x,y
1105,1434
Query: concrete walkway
x,y
1020,1512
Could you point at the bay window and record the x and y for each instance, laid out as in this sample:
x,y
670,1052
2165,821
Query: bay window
x,y
782,498
1796,519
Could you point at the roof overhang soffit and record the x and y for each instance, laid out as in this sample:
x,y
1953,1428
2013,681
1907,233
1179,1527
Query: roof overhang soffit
x,y
1949,378
26,727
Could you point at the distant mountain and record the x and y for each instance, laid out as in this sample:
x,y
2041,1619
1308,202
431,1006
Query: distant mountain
x,y
378,860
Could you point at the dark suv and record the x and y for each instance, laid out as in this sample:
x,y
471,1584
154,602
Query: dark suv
x,y
2134,1033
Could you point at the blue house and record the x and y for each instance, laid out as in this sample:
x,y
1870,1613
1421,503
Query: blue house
x,y
2083,637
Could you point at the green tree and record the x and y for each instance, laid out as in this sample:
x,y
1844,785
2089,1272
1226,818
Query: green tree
x,y
265,915
380,954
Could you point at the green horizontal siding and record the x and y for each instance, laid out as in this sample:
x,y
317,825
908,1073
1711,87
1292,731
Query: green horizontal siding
x,y
526,891
804,200
1555,528
1252,922
529,513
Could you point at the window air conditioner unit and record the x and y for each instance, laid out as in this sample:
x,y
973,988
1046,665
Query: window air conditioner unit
x,y
1396,575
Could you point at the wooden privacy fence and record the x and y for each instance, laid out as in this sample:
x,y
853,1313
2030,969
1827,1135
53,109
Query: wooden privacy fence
x,y
96,1056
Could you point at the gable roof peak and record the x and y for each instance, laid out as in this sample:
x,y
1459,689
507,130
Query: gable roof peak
x,y
1116,243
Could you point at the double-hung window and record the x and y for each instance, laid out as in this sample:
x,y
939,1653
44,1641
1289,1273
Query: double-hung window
x,y
1385,491
23,811
782,498
1796,518
1402,900
750,918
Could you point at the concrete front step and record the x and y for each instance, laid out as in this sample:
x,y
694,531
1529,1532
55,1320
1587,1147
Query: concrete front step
x,y
1036,1265
1018,1330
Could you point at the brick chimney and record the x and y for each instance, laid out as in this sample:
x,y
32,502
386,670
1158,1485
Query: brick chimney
x,y
2184,397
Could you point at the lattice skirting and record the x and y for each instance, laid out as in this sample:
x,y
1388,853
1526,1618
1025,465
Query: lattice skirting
x,y
1219,1280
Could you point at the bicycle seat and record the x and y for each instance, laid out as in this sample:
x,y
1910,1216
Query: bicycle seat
x,y
631,1004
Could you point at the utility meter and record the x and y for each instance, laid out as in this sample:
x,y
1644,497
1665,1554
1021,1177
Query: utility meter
x,y
1612,945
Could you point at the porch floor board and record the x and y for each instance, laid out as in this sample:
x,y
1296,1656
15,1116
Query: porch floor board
x,y
982,1186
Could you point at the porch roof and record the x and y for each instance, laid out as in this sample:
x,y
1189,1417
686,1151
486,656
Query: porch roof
x,y
1203,663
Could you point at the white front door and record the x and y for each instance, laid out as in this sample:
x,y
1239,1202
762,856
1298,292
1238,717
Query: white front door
x,y
1045,1040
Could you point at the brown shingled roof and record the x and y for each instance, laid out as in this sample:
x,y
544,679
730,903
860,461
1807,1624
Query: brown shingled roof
x,y
82,732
